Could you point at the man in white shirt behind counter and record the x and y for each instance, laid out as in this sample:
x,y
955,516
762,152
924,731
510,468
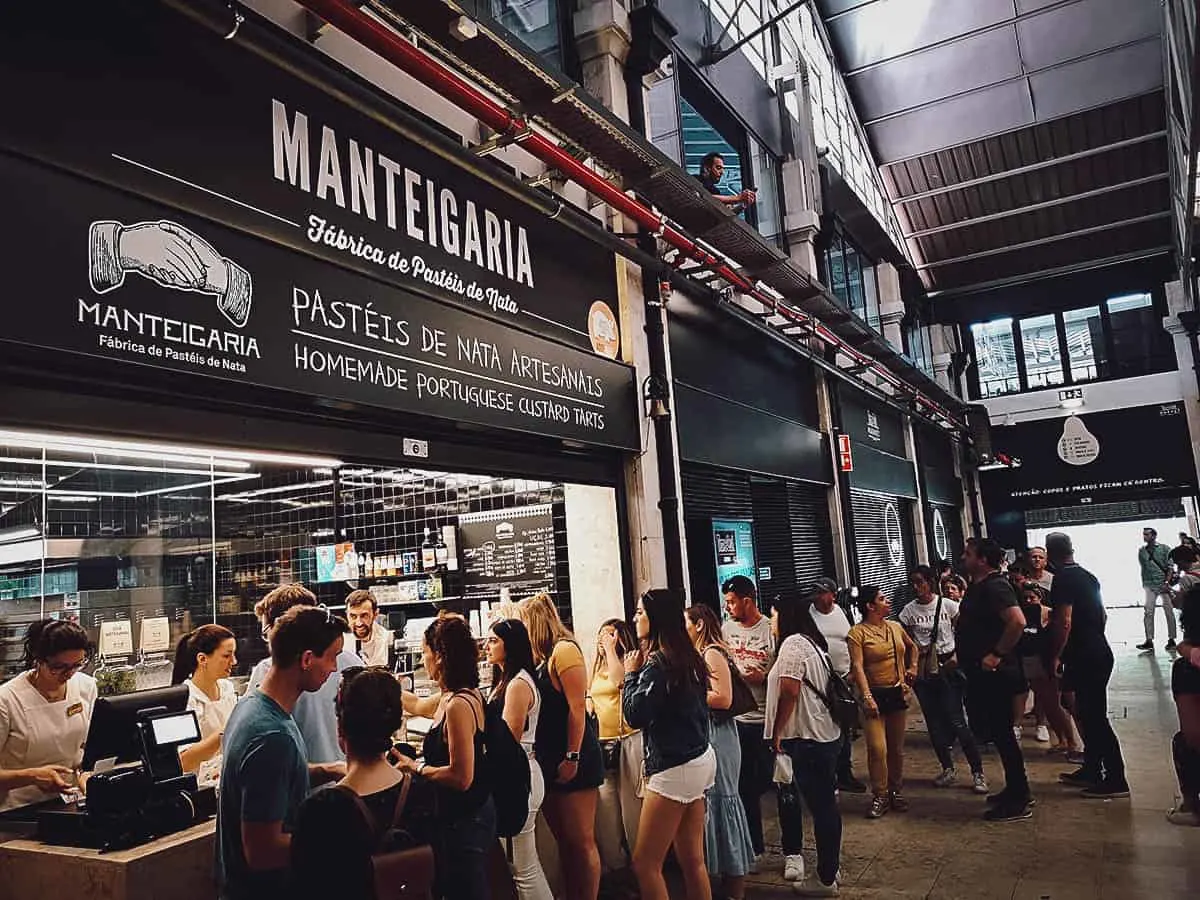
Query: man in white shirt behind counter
x,y
371,640
835,626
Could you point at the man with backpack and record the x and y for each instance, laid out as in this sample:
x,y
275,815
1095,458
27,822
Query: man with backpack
x,y
834,624
1154,561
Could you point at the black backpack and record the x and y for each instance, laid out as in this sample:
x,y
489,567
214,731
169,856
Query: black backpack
x,y
507,769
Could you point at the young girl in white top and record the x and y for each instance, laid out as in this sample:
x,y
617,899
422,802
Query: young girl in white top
x,y
204,660
44,715
515,694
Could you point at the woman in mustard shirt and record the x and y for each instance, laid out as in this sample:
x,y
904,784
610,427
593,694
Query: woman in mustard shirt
x,y
620,803
883,663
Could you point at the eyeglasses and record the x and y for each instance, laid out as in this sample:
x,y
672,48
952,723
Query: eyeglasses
x,y
66,668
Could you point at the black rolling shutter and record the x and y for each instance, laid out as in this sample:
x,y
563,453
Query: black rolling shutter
x,y
709,492
879,522
792,533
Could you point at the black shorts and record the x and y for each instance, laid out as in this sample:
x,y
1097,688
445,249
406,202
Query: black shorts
x,y
1185,678
889,699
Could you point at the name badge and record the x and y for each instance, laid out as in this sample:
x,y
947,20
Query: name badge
x,y
74,709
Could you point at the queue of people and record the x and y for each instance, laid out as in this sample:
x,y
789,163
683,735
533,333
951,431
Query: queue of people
x,y
665,745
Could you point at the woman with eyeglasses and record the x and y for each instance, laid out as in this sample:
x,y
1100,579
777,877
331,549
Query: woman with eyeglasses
x,y
331,824
44,715
204,660
666,695
515,696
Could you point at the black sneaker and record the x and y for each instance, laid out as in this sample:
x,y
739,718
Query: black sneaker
x,y
851,785
1107,790
1009,812
1171,645
1148,645
1079,778
1001,798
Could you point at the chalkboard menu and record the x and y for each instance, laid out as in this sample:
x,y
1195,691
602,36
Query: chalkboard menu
x,y
511,548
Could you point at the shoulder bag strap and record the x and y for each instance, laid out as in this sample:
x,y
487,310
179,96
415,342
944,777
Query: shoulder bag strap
x,y
363,809
401,801
824,697
937,626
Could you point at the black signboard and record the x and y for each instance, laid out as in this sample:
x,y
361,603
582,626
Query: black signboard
x,y
1102,457
95,271
134,94
507,548
871,424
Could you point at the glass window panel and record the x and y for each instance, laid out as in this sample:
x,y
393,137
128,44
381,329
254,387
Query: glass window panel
x,y
1043,362
1129,301
535,22
766,208
995,358
871,296
1085,343
699,138
854,283
837,272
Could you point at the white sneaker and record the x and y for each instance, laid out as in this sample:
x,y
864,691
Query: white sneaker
x,y
793,868
980,786
814,888
1017,733
1042,734
947,778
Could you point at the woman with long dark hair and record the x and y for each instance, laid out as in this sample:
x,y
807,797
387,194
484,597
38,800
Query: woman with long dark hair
x,y
454,761
204,660
883,663
727,846
800,724
665,694
331,824
44,715
566,746
515,696
620,802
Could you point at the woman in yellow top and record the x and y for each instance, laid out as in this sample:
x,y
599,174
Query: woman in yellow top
x,y
566,746
883,664
620,803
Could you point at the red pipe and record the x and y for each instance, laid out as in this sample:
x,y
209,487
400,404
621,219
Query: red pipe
x,y
386,42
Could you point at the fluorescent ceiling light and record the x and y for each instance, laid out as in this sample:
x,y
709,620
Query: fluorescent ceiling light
x,y
168,452
283,489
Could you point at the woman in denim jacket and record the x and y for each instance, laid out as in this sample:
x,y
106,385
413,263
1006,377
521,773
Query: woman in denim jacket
x,y
664,694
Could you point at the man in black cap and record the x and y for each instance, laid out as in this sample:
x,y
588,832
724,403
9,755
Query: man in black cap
x,y
832,622
1080,645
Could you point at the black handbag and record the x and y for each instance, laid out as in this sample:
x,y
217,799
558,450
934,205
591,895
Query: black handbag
x,y
743,698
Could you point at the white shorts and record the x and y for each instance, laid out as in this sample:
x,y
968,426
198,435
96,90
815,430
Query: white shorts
x,y
688,782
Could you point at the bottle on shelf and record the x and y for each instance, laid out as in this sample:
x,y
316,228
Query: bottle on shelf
x,y
369,566
441,553
450,539
391,564
428,551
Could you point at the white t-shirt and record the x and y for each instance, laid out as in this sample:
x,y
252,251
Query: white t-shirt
x,y
751,647
35,732
917,618
212,716
836,628
374,650
799,659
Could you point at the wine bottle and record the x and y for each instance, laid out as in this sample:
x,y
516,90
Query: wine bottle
x,y
428,551
441,552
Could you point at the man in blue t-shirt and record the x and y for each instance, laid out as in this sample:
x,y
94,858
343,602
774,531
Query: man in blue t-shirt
x,y
265,773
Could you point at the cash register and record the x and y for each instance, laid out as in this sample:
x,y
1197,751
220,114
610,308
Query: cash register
x,y
137,790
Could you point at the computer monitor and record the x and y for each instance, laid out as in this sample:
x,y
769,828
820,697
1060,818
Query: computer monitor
x,y
114,729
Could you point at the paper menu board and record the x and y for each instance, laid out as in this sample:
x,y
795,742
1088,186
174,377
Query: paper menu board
x,y
156,635
116,638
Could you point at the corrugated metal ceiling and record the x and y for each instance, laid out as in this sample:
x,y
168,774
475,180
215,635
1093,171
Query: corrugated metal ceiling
x,y
1015,137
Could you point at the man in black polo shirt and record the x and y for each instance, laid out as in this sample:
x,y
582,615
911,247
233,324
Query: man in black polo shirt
x,y
989,626
1079,643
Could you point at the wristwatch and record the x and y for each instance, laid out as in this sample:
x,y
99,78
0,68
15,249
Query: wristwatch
x,y
572,756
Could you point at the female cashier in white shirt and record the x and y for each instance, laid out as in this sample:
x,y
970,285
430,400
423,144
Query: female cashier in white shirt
x,y
204,660
44,715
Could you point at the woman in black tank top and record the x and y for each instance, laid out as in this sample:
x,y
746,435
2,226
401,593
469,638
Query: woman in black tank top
x,y
454,762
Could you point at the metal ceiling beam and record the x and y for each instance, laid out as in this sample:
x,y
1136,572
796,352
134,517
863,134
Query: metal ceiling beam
x,y
966,292
1032,167
1034,207
1024,75
1041,242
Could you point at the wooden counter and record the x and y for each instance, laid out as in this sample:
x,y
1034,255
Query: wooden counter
x,y
179,866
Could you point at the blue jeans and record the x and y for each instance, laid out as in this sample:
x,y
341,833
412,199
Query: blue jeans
x,y
941,701
462,868
814,774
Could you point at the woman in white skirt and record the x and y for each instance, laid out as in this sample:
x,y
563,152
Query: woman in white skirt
x,y
665,692
515,694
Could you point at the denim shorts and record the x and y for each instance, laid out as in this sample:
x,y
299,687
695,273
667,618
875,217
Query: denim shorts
x,y
686,783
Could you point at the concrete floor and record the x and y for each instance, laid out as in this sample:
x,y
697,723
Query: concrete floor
x,y
1072,849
